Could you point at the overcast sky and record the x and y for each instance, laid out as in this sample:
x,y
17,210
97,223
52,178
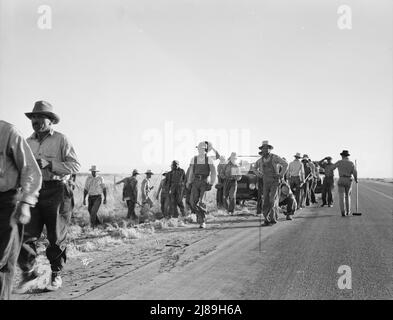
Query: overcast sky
x,y
139,83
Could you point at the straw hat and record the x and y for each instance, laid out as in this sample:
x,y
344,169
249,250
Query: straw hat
x,y
94,168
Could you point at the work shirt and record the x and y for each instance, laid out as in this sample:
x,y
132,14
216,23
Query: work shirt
x,y
328,167
163,187
176,176
232,171
146,188
130,188
296,169
220,170
18,167
346,168
279,164
57,149
95,185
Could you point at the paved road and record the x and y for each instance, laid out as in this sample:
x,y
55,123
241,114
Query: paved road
x,y
296,259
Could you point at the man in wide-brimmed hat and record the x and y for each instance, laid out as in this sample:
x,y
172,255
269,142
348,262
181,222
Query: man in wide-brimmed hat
x,y
176,184
146,188
130,194
346,170
272,168
232,176
328,181
57,159
18,170
201,167
94,187
295,176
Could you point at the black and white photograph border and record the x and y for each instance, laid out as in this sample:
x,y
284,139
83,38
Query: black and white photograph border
x,y
215,151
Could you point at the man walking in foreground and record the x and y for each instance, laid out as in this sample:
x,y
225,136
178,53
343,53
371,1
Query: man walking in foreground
x,y
202,167
18,169
269,167
346,169
94,187
130,194
56,157
328,181
232,176
295,175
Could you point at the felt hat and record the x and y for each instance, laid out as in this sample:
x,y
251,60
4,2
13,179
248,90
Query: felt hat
x,y
345,153
265,144
297,155
305,157
149,172
44,108
134,172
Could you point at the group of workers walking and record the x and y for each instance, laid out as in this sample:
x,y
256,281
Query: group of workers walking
x,y
36,191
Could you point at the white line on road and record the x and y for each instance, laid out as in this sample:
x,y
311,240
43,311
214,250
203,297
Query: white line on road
x,y
381,193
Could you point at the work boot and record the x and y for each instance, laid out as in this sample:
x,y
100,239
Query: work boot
x,y
323,204
55,282
329,205
289,217
203,225
343,213
265,223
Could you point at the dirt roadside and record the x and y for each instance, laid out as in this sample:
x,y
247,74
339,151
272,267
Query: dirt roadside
x,y
89,271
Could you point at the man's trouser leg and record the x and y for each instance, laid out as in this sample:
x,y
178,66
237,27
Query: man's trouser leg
x,y
9,243
329,187
341,193
260,196
270,188
131,210
197,191
348,191
344,193
313,185
325,186
94,206
232,196
179,198
225,194
164,204
305,201
294,183
53,210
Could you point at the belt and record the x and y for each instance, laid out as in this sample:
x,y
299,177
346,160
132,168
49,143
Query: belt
x,y
200,176
345,176
52,183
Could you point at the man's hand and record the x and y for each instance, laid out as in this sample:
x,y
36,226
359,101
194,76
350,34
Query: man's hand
x,y
42,163
84,202
22,213
104,201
